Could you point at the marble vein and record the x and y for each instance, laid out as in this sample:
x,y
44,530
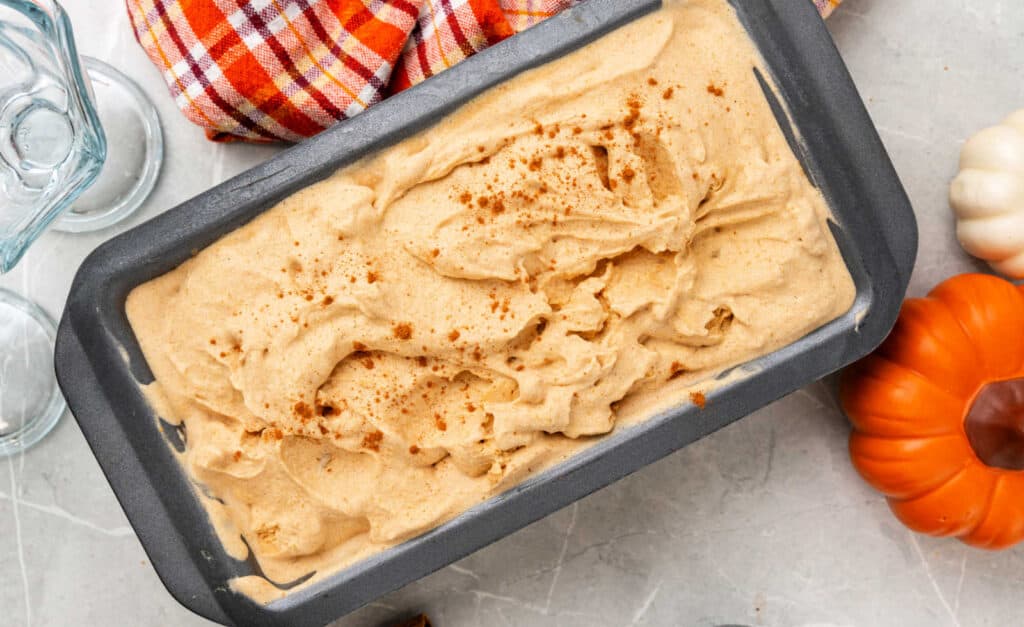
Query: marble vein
x,y
20,547
960,584
646,605
561,556
481,594
59,512
464,571
771,458
931,578
903,134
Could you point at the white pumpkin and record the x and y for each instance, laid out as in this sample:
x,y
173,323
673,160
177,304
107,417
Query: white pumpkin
x,y
988,196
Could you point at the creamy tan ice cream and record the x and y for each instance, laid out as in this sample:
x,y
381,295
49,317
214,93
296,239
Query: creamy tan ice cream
x,y
427,327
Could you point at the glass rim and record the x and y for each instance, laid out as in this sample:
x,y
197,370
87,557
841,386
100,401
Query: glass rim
x,y
34,430
152,136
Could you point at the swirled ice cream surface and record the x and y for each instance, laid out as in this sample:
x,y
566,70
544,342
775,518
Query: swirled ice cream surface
x,y
431,325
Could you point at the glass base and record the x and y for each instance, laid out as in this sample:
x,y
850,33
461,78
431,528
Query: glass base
x,y
134,152
30,401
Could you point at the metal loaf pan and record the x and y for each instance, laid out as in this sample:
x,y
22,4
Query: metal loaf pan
x,y
99,363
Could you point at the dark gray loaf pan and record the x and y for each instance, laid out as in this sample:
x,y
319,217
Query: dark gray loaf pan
x,y
100,366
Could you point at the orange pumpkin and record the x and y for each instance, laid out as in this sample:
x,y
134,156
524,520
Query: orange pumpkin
x,y
938,412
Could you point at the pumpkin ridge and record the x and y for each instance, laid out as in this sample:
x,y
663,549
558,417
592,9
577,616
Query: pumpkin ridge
x,y
931,383
987,503
948,395
906,439
932,321
908,468
951,505
964,292
979,359
937,296
1002,506
914,371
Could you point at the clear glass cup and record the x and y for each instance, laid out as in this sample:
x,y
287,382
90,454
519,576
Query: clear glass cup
x,y
80,149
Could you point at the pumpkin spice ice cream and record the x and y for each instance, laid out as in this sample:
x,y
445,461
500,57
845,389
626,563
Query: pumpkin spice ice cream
x,y
429,326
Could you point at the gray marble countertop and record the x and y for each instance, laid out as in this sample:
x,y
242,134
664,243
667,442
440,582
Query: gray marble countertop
x,y
763,523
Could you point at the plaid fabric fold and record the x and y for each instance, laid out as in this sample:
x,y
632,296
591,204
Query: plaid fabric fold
x,y
448,31
284,70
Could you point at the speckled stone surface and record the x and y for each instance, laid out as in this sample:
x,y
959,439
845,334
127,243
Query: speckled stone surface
x,y
763,523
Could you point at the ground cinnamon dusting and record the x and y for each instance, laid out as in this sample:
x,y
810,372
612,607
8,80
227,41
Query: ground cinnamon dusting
x,y
717,91
372,440
676,370
698,399
402,331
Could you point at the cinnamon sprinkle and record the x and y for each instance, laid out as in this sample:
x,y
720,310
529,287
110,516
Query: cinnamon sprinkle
x,y
372,440
676,370
699,399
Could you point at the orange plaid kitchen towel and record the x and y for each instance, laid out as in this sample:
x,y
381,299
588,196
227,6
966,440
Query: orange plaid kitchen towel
x,y
284,70
448,31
